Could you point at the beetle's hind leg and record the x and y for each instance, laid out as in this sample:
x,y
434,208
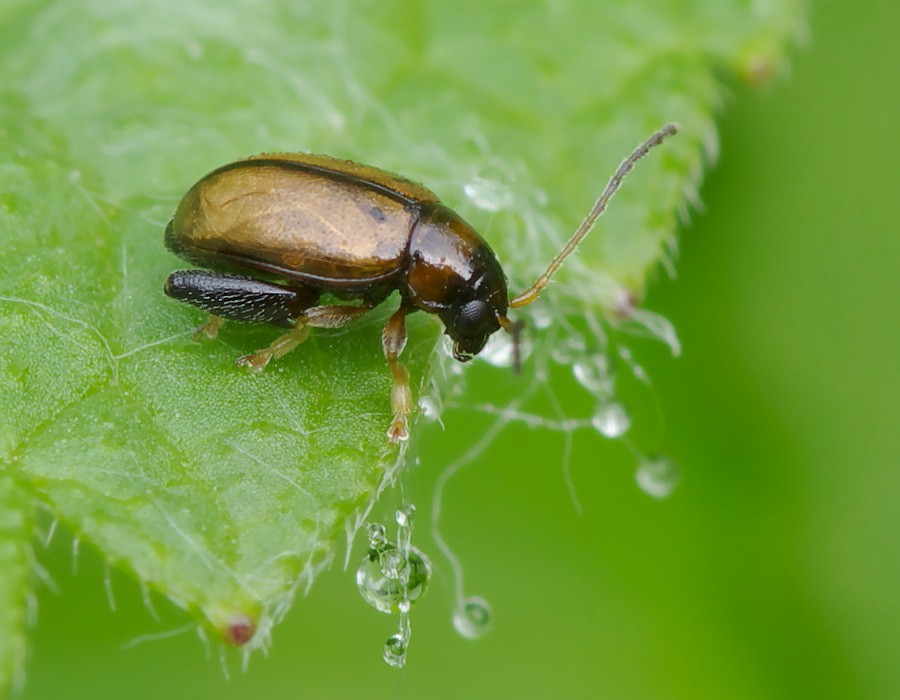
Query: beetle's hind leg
x,y
314,317
238,298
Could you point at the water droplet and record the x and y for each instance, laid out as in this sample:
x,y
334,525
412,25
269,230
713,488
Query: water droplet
x,y
500,351
395,651
385,592
429,408
658,476
406,515
489,195
474,618
611,420
561,355
592,372
377,536
659,327
540,316
624,302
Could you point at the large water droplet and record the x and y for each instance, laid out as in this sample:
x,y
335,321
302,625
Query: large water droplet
x,y
611,420
395,651
408,579
474,618
658,476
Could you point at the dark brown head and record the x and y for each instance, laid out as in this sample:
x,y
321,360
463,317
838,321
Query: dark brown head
x,y
472,322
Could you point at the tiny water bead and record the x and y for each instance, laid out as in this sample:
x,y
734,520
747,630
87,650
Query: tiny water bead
x,y
429,408
377,535
395,651
474,618
611,420
658,476
406,516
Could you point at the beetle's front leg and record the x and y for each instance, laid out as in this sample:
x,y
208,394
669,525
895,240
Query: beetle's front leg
x,y
394,340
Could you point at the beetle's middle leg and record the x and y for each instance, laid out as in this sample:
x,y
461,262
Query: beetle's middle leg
x,y
313,317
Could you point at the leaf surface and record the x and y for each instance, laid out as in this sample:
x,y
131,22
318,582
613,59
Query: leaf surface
x,y
222,490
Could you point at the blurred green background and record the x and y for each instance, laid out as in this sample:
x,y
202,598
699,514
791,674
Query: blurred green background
x,y
771,572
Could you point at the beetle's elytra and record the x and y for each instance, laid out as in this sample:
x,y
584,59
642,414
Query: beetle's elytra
x,y
276,232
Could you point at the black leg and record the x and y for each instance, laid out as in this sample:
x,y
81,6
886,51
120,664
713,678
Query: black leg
x,y
240,298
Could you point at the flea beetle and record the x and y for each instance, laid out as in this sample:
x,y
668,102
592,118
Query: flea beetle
x,y
277,231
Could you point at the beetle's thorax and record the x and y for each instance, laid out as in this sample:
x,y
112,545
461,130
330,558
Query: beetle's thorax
x,y
449,262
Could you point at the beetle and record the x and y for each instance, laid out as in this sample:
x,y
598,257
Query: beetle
x,y
275,232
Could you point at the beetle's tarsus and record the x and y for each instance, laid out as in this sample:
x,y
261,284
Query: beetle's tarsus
x,y
256,361
210,329
399,430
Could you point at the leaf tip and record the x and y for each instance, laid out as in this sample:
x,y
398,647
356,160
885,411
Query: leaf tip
x,y
239,629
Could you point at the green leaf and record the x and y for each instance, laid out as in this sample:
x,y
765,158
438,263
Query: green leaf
x,y
225,491
15,536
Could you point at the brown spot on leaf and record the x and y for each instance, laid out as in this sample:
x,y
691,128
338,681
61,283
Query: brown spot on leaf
x,y
240,630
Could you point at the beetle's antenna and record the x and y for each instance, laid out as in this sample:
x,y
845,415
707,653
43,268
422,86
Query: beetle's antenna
x,y
534,291
514,328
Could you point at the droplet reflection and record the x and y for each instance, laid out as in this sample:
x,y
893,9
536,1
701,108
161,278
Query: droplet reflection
x,y
658,476
474,618
611,420
395,651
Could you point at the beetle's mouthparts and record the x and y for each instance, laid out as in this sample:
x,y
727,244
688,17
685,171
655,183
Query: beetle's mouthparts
x,y
461,355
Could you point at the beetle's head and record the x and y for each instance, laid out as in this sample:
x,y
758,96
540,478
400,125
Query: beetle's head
x,y
471,323
469,326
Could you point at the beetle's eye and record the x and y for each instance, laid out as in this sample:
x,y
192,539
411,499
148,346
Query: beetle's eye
x,y
471,315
